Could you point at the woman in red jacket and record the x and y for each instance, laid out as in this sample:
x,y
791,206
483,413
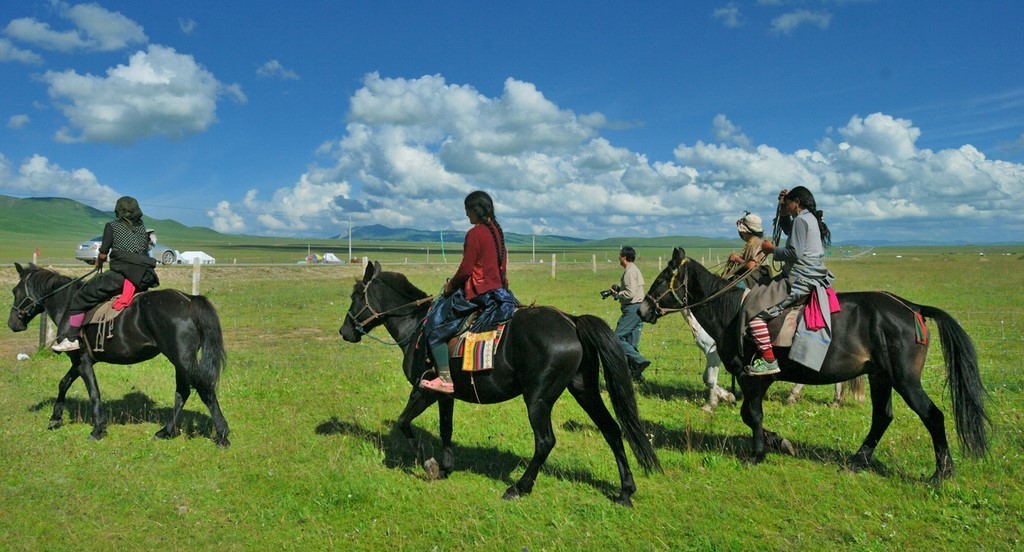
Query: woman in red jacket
x,y
480,283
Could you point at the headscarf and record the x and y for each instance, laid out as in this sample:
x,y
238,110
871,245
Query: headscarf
x,y
128,210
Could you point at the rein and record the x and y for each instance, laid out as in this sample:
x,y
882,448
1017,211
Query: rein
x,y
360,326
25,311
682,301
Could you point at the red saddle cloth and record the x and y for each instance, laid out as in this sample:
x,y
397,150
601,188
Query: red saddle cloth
x,y
127,293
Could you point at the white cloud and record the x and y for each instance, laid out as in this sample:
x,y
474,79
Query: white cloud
x,y
38,177
728,15
187,26
17,121
96,29
158,93
9,52
274,70
789,22
225,220
413,148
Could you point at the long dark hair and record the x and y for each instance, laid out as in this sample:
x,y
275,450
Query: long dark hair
x,y
805,198
481,204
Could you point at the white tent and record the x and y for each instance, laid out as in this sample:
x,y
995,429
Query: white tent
x,y
331,258
190,257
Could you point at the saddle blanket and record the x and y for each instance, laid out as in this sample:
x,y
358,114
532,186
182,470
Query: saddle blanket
x,y
477,349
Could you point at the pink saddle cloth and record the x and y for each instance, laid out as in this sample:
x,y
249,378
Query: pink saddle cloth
x,y
813,317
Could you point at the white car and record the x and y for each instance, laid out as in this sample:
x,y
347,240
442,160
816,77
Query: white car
x,y
88,250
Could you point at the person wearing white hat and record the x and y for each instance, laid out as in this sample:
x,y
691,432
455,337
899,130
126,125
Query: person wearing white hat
x,y
746,265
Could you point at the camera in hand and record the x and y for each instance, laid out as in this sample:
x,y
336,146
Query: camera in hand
x,y
606,293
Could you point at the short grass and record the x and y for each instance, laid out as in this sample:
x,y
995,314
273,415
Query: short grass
x,y
315,465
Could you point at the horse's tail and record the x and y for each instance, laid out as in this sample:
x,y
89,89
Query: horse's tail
x,y
600,340
204,316
962,375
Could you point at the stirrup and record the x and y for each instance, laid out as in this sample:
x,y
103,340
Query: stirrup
x,y
438,385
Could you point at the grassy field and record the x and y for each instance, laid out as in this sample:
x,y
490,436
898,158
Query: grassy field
x,y
314,464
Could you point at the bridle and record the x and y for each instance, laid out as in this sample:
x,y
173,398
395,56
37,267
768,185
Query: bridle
x,y
29,308
660,311
360,326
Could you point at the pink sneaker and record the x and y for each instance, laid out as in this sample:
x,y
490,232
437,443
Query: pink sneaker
x,y
437,384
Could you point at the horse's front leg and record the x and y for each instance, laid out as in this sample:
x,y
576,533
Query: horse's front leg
x,y
57,418
417,403
446,409
752,413
99,423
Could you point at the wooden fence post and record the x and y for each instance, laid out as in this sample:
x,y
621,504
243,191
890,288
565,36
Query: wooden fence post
x,y
195,276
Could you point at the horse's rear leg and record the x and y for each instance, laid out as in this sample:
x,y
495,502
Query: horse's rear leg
x,y
935,421
539,411
590,399
208,394
181,394
881,417
57,418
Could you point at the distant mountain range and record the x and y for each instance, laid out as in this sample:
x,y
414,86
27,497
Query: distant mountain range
x,y
56,217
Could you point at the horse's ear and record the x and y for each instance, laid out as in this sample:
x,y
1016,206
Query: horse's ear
x,y
369,273
678,254
21,271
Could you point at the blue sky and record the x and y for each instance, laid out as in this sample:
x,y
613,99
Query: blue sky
x,y
588,119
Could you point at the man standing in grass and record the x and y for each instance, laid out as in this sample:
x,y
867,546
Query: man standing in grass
x,y
630,294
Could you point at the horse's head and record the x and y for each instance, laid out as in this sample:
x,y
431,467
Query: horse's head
x,y
667,293
26,306
361,316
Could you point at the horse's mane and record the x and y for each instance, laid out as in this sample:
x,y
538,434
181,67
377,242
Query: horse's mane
x,y
398,282
46,278
725,306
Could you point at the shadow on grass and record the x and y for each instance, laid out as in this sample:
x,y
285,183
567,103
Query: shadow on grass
x,y
738,446
135,408
486,461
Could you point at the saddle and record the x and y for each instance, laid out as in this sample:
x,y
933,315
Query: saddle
x,y
104,315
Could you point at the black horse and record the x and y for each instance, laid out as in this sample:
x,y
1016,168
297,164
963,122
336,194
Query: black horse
x,y
543,352
873,334
166,321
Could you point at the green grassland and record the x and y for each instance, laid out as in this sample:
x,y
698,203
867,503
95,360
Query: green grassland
x,y
315,465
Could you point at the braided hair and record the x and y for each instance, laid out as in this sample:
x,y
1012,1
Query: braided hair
x,y
481,204
805,198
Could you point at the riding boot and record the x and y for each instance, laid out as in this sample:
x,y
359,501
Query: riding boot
x,y
443,382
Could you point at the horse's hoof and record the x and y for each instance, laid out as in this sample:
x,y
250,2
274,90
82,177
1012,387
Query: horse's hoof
x,y
511,494
785,447
624,501
223,442
165,434
793,399
96,436
432,468
54,424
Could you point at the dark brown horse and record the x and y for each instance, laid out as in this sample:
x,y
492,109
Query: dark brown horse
x,y
166,321
543,352
873,334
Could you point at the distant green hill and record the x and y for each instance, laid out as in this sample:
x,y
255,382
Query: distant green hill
x,y
56,225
